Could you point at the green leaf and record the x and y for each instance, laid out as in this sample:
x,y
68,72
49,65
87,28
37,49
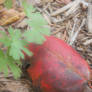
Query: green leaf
x,y
8,3
34,37
18,44
3,63
28,9
15,50
13,67
27,51
37,21
44,30
7,63
14,33
5,39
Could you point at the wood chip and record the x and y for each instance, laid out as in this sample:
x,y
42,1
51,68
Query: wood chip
x,y
9,16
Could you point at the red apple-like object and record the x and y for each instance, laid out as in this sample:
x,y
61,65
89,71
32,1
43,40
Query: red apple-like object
x,y
57,67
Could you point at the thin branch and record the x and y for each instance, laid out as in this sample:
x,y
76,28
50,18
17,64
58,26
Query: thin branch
x,y
73,8
90,16
63,9
88,42
77,32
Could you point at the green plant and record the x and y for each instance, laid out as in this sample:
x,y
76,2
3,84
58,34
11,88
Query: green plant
x,y
16,40
8,3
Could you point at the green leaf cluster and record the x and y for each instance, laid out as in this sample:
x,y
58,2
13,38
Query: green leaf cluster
x,y
38,25
15,47
7,63
16,41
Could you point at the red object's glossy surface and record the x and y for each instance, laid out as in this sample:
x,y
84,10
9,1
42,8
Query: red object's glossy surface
x,y
57,67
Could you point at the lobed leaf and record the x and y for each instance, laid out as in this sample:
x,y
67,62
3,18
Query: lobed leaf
x,y
17,45
34,36
8,63
28,9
